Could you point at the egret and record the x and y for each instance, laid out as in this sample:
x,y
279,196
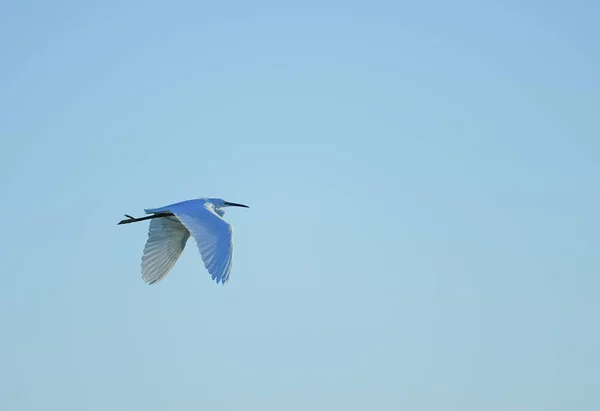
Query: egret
x,y
171,227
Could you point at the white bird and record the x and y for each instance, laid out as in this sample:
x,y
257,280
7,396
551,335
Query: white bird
x,y
170,229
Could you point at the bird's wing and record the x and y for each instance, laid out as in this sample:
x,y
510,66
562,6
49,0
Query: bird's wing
x,y
213,235
166,240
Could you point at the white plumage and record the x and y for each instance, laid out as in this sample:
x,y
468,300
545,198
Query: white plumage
x,y
171,227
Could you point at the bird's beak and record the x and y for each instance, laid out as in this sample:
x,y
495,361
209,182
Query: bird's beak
x,y
227,203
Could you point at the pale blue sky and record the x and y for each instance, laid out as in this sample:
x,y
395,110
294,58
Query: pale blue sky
x,y
423,180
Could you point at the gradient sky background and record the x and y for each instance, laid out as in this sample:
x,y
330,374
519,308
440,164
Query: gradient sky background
x,y
424,188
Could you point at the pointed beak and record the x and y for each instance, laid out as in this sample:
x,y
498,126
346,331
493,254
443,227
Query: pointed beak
x,y
227,203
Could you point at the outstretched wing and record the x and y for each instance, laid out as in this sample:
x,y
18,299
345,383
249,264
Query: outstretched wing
x,y
213,235
166,240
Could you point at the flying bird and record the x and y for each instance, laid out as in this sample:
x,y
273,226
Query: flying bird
x,y
171,227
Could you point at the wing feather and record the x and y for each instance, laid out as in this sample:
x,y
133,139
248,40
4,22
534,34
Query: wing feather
x,y
213,236
166,240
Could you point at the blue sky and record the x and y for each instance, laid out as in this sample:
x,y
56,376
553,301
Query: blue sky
x,y
423,184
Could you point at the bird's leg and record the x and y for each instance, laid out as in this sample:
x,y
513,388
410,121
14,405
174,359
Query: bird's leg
x,y
131,219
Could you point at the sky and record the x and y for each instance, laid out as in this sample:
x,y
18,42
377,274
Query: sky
x,y
422,178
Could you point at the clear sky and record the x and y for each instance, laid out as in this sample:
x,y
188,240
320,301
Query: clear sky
x,y
423,180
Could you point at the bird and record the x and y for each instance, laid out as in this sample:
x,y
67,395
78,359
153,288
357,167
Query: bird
x,y
170,228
